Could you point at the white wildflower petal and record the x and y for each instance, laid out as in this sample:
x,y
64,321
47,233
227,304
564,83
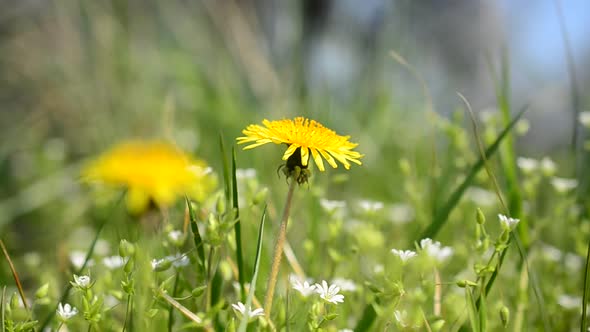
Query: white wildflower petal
x,y
548,166
329,292
508,223
481,197
584,118
114,262
401,317
401,213
241,309
527,165
78,257
179,260
346,285
82,281
435,250
175,235
245,174
563,185
569,301
302,287
404,255
66,311
332,206
370,206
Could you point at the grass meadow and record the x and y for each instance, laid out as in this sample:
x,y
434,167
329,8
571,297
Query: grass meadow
x,y
449,224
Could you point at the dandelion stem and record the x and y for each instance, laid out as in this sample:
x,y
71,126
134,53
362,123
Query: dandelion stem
x,y
278,253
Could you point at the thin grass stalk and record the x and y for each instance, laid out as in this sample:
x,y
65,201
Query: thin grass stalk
x,y
19,286
238,228
584,318
244,323
278,251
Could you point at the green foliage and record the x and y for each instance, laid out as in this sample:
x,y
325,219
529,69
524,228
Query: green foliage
x,y
422,176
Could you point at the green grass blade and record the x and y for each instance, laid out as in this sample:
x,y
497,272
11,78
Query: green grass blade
x,y
225,166
244,321
482,311
442,214
238,227
368,317
196,235
472,310
584,318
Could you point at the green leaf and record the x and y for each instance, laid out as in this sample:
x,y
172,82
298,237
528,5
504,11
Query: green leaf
x,y
238,227
368,317
196,235
244,321
472,310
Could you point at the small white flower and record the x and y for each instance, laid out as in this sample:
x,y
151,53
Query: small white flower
x,y
371,206
401,213
435,250
573,262
332,206
378,268
66,311
176,236
551,253
244,174
114,262
159,263
179,260
302,287
480,196
199,171
78,257
527,165
346,285
345,330
82,281
548,166
404,255
401,317
584,118
507,222
329,293
569,301
246,312
563,185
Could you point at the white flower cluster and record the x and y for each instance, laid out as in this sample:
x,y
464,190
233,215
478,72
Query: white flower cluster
x,y
329,293
435,250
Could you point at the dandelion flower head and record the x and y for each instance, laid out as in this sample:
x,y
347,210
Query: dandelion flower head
x,y
152,171
304,137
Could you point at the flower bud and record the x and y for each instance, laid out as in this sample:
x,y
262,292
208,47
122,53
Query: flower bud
x,y
42,291
505,316
126,249
480,217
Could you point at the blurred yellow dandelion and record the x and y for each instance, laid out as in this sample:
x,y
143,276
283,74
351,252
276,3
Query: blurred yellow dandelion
x,y
152,171
303,136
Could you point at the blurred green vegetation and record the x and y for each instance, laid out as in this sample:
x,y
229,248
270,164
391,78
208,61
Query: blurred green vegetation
x,y
79,76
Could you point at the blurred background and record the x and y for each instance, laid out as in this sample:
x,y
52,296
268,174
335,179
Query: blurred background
x,y
78,76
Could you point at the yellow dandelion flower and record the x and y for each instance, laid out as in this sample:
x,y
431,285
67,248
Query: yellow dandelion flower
x,y
151,171
304,137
